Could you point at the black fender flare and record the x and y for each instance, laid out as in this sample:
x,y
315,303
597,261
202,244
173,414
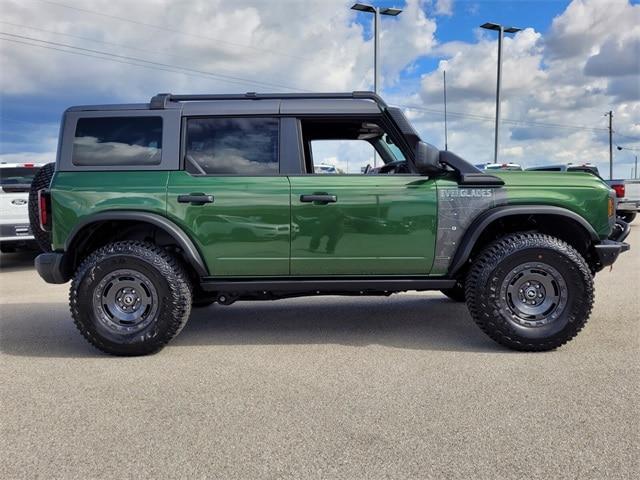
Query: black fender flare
x,y
191,252
485,219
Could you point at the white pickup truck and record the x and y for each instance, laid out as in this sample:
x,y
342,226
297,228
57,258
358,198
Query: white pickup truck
x,y
15,181
629,204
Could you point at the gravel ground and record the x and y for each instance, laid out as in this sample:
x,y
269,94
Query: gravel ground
x,y
326,387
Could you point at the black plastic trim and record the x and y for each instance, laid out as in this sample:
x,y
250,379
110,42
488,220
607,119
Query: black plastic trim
x,y
324,284
50,266
479,224
161,100
191,252
609,250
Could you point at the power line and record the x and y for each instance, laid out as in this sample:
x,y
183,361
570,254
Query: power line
x,y
127,59
169,29
505,120
120,45
140,62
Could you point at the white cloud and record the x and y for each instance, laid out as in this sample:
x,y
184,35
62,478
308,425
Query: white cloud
x,y
444,7
582,68
317,46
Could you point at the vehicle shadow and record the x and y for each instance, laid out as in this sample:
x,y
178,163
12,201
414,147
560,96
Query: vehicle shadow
x,y
20,261
416,322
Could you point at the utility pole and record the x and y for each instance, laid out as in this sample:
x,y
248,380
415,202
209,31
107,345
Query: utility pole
x,y
610,115
444,75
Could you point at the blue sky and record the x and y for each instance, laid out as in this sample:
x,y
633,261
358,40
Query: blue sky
x,y
574,61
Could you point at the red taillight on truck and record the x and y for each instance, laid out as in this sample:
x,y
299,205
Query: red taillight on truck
x,y
619,188
43,209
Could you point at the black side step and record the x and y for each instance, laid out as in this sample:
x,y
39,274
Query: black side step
x,y
335,284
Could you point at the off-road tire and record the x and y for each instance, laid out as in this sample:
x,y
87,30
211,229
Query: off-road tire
x,y
166,279
627,216
492,310
41,180
455,293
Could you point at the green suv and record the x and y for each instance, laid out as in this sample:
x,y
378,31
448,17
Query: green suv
x,y
156,208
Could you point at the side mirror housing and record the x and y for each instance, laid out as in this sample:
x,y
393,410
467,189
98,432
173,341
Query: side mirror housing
x,y
427,159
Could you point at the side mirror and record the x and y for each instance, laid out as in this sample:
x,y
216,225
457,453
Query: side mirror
x,y
427,159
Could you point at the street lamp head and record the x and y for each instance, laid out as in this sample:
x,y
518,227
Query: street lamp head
x,y
496,26
619,147
362,7
394,12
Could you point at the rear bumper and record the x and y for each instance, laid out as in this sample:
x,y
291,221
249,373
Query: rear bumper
x,y
609,250
51,267
15,232
628,206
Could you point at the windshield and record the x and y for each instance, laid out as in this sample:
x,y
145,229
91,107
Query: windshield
x,y
17,175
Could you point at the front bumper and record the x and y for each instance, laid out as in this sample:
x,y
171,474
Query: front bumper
x,y
51,267
609,249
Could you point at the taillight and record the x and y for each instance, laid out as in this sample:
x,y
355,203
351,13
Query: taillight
x,y
620,190
42,210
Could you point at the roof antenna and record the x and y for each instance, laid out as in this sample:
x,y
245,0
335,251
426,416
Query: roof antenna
x,y
444,76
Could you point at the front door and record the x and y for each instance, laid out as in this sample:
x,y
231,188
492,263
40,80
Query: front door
x,y
359,210
230,198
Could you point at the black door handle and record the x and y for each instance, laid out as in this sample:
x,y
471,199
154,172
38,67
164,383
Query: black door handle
x,y
195,198
320,198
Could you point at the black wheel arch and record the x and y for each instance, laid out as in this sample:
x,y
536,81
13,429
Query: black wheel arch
x,y
88,226
527,215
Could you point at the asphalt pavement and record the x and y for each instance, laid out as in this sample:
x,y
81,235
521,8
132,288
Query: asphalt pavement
x,y
323,387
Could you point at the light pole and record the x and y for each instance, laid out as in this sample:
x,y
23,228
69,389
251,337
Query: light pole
x,y
635,168
377,11
501,29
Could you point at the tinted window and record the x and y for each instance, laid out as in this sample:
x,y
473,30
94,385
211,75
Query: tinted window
x,y
246,146
118,141
17,176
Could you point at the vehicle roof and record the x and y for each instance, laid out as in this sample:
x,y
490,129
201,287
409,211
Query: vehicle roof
x,y
254,104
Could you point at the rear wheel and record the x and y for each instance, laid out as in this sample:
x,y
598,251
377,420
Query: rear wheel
x,y
530,292
41,181
627,216
130,298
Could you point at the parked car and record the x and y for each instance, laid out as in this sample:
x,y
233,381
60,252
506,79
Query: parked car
x,y
144,201
626,206
628,193
567,167
15,229
503,166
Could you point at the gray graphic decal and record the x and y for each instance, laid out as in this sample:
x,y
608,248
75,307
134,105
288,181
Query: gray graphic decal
x,y
457,208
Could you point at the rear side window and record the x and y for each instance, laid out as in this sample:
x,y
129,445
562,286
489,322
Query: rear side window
x,y
17,175
118,141
240,146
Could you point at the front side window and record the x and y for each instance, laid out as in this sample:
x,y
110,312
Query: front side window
x,y
240,146
118,141
350,146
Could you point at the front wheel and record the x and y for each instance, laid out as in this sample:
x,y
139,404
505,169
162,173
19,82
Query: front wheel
x,y
530,292
130,298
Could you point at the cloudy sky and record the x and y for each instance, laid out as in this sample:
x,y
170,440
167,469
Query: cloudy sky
x,y
572,62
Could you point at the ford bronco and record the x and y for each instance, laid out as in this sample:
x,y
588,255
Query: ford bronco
x,y
187,200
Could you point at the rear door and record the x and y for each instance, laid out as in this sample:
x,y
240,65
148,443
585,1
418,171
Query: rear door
x,y
230,196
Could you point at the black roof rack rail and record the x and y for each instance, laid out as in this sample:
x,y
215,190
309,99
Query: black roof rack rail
x,y
161,100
